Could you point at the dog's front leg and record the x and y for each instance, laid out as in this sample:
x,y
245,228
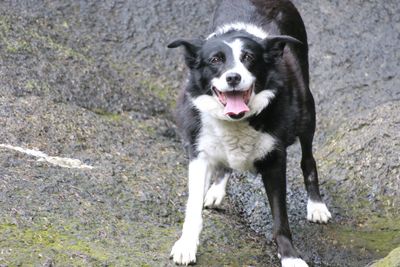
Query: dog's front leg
x,y
273,171
184,250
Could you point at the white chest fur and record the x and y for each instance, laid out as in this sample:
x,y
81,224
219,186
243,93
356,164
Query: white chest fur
x,y
233,144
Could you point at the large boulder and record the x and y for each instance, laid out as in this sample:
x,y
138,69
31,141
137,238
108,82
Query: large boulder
x,y
90,85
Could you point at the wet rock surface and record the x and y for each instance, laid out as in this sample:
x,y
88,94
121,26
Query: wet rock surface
x,y
93,81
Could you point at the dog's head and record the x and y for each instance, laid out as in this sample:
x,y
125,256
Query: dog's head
x,y
229,72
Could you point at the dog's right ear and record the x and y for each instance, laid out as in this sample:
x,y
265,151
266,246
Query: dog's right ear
x,y
192,48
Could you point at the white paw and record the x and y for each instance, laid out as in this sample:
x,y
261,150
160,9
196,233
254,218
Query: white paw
x,y
214,195
293,262
184,251
317,212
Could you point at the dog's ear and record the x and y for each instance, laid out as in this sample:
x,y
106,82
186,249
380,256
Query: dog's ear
x,y
192,48
274,45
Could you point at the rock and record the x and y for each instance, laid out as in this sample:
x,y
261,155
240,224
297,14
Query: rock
x,y
362,162
391,260
93,81
353,57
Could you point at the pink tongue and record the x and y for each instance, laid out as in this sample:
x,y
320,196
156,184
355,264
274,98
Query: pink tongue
x,y
235,104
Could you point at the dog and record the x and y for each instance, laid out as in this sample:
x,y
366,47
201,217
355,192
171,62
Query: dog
x,y
246,100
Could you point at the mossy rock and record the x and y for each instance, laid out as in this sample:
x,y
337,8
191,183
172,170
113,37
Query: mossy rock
x,y
391,260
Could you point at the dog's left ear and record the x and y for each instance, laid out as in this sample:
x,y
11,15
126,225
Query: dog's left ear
x,y
192,48
274,45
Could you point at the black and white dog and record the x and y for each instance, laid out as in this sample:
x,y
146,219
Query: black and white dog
x,y
246,101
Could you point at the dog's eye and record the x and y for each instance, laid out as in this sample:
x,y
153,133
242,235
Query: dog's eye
x,y
247,57
216,59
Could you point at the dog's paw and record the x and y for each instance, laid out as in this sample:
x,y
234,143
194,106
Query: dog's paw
x,y
318,212
184,251
214,196
293,262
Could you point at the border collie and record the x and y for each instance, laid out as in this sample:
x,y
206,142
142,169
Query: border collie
x,y
247,99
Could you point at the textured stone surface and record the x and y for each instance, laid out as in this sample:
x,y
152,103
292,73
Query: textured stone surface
x,y
92,80
393,259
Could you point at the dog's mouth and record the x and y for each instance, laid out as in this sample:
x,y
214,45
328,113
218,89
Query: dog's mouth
x,y
235,102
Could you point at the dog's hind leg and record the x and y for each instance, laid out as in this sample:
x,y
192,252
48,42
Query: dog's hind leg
x,y
217,191
316,208
184,250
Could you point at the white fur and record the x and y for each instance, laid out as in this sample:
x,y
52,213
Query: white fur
x,y
247,78
221,143
240,26
260,101
317,212
216,192
211,105
293,262
233,144
184,250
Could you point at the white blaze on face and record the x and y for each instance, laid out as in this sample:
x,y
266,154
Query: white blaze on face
x,y
247,78
257,101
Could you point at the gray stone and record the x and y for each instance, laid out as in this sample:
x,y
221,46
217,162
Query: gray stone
x,y
93,81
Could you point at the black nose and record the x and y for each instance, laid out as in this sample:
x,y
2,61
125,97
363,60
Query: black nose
x,y
233,78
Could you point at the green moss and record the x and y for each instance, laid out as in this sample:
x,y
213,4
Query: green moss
x,y
10,44
159,90
17,39
392,260
69,244
378,235
149,129
16,46
37,86
116,117
33,245
63,50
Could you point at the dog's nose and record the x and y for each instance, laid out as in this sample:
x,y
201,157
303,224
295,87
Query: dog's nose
x,y
233,78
